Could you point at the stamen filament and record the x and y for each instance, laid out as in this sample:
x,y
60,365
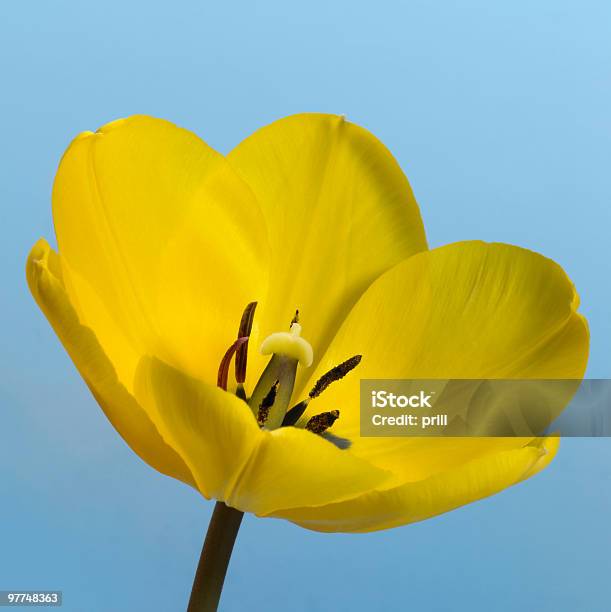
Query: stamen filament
x,y
295,413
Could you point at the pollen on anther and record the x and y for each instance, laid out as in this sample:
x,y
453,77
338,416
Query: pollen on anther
x,y
319,423
266,403
336,373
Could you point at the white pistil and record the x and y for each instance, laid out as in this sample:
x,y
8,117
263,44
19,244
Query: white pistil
x,y
290,344
288,350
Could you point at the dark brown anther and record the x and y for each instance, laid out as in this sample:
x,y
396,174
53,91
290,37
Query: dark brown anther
x,y
295,319
244,332
319,423
295,413
266,404
223,373
339,371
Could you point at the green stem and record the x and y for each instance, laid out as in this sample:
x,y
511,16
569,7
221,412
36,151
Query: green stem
x,y
213,562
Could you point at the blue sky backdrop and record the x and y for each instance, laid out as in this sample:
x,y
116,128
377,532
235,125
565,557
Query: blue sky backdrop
x,y
499,114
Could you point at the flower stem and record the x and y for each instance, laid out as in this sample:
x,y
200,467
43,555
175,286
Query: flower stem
x,y
213,562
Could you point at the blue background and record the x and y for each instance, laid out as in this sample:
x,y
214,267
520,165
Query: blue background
x,y
499,114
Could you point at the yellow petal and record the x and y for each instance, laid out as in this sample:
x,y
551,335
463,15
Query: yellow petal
x,y
165,235
435,495
551,444
468,310
339,212
43,271
233,460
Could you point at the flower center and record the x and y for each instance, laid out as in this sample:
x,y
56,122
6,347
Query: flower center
x,y
271,397
287,350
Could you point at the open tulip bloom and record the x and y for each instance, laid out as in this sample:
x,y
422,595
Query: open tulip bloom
x,y
223,309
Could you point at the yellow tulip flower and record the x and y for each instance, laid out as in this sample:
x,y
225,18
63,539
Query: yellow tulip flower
x,y
162,245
